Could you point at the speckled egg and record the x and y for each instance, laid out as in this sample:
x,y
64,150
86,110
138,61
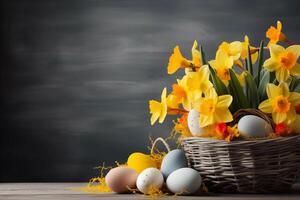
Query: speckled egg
x,y
174,160
184,181
251,126
149,179
119,179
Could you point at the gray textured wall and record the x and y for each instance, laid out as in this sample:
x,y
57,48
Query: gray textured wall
x,y
76,76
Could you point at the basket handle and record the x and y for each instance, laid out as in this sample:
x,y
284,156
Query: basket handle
x,y
162,141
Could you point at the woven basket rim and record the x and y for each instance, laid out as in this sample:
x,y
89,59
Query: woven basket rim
x,y
240,142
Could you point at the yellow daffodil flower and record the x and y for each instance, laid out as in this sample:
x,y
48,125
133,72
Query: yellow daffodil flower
x,y
213,108
191,87
196,55
283,61
172,101
177,61
159,109
275,34
222,64
233,49
281,103
244,53
199,81
181,93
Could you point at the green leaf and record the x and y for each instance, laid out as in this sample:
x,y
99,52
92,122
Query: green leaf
x,y
272,78
260,61
236,90
297,89
249,62
202,55
294,83
265,79
217,82
252,93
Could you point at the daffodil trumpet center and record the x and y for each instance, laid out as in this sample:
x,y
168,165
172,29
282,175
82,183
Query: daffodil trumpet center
x,y
178,92
287,60
281,104
207,107
185,63
223,73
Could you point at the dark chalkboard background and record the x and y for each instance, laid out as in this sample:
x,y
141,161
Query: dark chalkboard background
x,y
76,75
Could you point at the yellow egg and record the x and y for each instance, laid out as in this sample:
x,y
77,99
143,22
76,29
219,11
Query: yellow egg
x,y
139,161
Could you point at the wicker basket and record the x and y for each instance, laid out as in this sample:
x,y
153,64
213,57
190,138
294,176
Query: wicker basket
x,y
245,166
258,166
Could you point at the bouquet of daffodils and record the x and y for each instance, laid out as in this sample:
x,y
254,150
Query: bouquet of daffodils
x,y
206,98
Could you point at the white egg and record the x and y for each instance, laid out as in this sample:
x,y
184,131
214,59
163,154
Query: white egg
x,y
254,127
184,181
150,178
193,123
194,126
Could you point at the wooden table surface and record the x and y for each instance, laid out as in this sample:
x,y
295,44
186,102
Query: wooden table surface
x,y
69,191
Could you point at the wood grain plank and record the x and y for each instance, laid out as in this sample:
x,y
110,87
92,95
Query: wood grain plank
x,y
69,191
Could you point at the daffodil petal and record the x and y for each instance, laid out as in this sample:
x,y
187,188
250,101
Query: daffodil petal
x,y
204,72
196,56
273,91
213,63
279,26
206,120
154,118
223,115
211,93
282,74
254,57
291,116
154,106
229,62
163,115
294,98
164,94
279,117
284,89
235,49
186,103
295,49
276,50
271,65
266,106
221,55
224,101
295,70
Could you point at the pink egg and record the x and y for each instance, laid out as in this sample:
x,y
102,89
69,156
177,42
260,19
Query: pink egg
x,y
119,179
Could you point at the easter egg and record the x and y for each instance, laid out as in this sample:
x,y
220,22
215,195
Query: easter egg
x,y
174,160
252,126
148,180
139,161
119,179
184,181
194,126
